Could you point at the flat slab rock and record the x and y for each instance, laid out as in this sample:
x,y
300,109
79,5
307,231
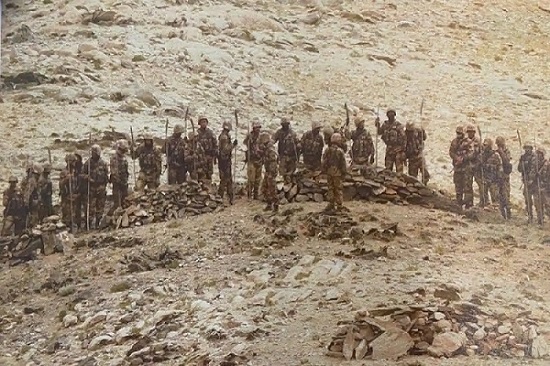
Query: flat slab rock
x,y
391,345
446,344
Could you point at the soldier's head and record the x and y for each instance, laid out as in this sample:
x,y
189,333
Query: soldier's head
x,y
47,169
122,146
470,131
488,144
359,121
328,131
148,139
459,131
71,160
178,130
528,148
96,151
256,126
203,122
285,123
409,127
541,152
13,181
37,169
316,127
390,113
500,142
336,138
264,140
227,126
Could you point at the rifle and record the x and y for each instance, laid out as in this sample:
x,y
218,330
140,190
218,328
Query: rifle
x,y
524,175
247,161
88,198
423,155
483,190
539,198
132,153
376,143
235,156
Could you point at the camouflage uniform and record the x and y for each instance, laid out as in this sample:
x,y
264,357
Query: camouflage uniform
x,y
46,191
527,166
14,210
393,135
312,148
507,168
270,162
288,149
253,161
175,150
414,152
334,166
150,164
362,149
459,151
208,142
97,172
545,185
119,174
195,159
31,196
475,164
70,191
225,155
492,172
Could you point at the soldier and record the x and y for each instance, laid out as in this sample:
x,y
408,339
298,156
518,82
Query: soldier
x,y
527,166
288,149
393,136
207,142
150,164
414,152
175,150
225,154
70,191
475,173
493,174
334,166
507,168
14,210
271,164
31,196
312,147
538,185
96,172
253,160
195,158
119,174
362,149
46,191
327,134
458,151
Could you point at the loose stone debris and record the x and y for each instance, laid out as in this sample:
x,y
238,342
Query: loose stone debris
x,y
436,330
165,203
147,261
329,226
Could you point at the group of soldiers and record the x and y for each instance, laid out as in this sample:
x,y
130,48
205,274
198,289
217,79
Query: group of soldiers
x,y
83,184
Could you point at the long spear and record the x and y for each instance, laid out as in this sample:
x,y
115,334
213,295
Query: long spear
x,y
132,152
89,172
539,195
235,154
423,145
524,177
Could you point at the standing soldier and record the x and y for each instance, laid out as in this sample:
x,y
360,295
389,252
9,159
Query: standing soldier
x,y
175,157
225,162
119,174
14,210
362,149
475,164
458,151
150,163
491,163
527,166
288,148
393,136
46,192
207,141
414,152
31,196
195,158
312,147
328,131
70,190
253,160
334,166
98,177
507,168
271,164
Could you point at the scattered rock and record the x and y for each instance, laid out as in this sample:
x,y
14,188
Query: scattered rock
x,y
446,344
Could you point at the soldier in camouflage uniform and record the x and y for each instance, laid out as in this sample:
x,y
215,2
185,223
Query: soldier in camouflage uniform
x,y
70,191
150,164
527,166
207,142
270,162
475,164
288,149
459,151
493,174
254,160
312,147
119,174
175,150
507,169
334,166
46,191
195,158
393,135
414,152
31,196
225,154
14,210
328,131
362,149
96,172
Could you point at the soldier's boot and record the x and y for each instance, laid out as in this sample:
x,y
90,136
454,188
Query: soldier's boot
x,y
231,198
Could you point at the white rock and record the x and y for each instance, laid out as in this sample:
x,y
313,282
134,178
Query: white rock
x,y
260,277
86,47
263,297
333,294
95,319
439,316
165,316
201,305
479,334
99,342
123,334
539,347
70,320
296,273
446,344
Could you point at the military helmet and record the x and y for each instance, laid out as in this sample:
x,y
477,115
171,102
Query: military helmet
x,y
227,125
391,110
202,117
459,129
37,168
96,149
358,120
122,144
178,128
500,141
47,168
13,179
528,146
316,125
488,143
69,158
336,138
285,120
328,130
147,136
256,123
265,138
470,128
410,126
